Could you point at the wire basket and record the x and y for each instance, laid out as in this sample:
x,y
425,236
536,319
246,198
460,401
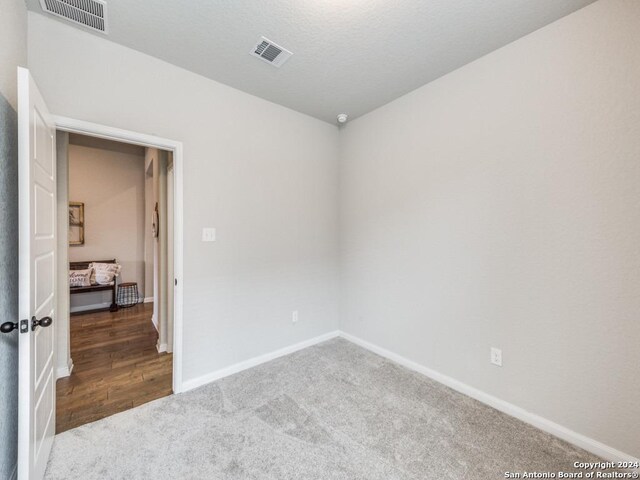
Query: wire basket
x,y
128,295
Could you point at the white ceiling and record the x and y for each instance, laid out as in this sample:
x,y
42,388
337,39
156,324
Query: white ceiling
x,y
349,55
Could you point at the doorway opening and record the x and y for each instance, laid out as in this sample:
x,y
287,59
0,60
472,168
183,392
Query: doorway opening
x,y
116,275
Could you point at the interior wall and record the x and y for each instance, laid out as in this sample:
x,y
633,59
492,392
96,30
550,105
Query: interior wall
x,y
264,176
108,177
13,53
148,239
170,251
161,253
498,207
151,242
156,184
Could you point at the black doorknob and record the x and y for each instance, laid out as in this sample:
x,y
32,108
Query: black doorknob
x,y
8,327
43,322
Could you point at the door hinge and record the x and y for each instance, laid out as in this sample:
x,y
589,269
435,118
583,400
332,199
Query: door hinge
x,y
24,326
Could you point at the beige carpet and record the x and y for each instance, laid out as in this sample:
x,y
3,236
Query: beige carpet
x,y
332,411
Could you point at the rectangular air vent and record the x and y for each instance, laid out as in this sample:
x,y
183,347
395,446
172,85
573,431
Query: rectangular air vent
x,y
88,13
269,52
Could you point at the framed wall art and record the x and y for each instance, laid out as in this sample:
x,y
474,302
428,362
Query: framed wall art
x,y
76,223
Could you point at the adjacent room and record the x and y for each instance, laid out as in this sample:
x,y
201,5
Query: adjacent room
x,y
114,342
320,240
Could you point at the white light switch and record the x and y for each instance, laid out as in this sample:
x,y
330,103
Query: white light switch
x,y
208,234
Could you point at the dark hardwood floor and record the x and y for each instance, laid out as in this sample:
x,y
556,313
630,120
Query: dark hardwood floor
x,y
116,366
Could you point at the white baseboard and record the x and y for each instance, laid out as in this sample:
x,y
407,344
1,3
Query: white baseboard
x,y
99,306
161,347
252,362
62,372
14,473
575,438
95,306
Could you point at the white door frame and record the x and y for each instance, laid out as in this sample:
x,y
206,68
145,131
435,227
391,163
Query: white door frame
x,y
111,133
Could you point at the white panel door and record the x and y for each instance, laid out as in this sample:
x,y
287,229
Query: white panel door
x,y
37,227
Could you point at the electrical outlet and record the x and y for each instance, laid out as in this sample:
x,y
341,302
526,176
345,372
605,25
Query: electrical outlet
x,y
294,317
496,356
208,234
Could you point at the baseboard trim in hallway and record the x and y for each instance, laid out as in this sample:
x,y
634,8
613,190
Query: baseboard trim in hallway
x,y
62,372
564,433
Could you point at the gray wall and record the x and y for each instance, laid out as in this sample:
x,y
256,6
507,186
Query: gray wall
x,y
13,40
498,206
9,282
264,176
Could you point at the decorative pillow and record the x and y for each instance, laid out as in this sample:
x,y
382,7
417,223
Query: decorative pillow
x,y
80,278
104,273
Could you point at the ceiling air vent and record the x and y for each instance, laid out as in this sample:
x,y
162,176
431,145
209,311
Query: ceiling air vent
x,y
89,13
269,52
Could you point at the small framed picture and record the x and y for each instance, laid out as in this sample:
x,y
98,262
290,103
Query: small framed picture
x,y
76,223
155,222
